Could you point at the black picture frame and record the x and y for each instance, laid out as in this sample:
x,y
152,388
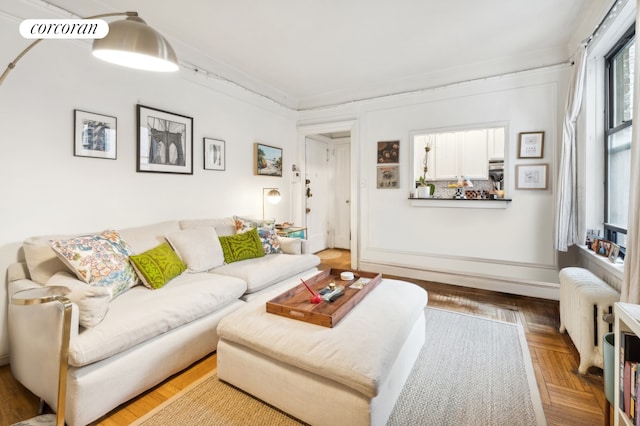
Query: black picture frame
x,y
165,141
95,135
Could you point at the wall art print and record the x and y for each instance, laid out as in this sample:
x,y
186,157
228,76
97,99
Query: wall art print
x,y
165,141
267,160
214,154
388,177
388,152
95,135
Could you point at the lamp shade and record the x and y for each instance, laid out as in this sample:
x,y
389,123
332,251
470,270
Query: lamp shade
x,y
134,44
273,196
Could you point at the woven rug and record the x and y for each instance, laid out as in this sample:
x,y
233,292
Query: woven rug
x,y
329,254
471,371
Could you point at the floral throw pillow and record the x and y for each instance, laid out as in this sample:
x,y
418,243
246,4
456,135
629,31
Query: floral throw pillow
x,y
101,260
266,231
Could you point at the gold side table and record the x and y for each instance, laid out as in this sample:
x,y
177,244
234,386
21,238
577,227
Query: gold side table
x,y
42,295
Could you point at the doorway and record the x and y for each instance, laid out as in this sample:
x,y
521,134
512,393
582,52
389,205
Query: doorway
x,y
327,191
328,202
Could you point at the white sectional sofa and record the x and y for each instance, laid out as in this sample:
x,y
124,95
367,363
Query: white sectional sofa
x,y
139,338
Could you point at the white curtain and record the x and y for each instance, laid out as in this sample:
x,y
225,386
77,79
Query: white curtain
x,y
631,282
566,226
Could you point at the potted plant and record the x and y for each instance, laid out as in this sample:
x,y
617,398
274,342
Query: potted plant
x,y
425,189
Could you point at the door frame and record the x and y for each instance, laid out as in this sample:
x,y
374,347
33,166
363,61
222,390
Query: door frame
x,y
305,131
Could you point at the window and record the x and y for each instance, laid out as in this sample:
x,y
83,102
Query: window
x,y
619,66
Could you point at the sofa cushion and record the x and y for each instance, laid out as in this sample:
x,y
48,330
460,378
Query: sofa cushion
x,y
99,259
158,266
143,238
241,246
141,314
92,301
199,248
290,245
223,226
41,260
262,272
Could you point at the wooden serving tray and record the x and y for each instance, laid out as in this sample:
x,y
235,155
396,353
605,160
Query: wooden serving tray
x,y
295,303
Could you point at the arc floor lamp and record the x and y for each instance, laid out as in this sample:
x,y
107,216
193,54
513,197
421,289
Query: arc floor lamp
x,y
131,43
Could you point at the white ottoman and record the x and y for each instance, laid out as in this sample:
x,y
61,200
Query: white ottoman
x,y
350,374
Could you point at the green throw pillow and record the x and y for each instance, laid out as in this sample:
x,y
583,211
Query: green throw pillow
x,y
157,266
241,246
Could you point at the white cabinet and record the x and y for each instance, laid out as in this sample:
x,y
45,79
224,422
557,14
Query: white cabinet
x,y
459,154
495,144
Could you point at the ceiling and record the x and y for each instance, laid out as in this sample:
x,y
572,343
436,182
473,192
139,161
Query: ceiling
x,y
312,53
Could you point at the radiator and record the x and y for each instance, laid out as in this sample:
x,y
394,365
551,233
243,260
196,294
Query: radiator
x,y
586,313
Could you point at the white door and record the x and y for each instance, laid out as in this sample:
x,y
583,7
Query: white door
x,y
317,194
341,220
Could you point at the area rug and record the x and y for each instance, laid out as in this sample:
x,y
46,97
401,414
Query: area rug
x,y
329,254
471,371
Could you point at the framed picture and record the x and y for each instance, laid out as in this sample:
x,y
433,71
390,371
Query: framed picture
x,y
531,176
614,252
95,135
214,154
388,177
602,247
165,142
388,152
531,145
267,160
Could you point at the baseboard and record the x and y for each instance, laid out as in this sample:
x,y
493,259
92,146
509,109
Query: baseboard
x,y
542,290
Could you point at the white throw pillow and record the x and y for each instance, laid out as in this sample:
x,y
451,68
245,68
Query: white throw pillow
x,y
198,248
92,301
290,245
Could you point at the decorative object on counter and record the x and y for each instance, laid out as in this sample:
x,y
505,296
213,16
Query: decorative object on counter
x,y
424,189
388,152
531,176
95,135
425,161
165,141
614,252
388,177
592,235
214,154
531,145
267,160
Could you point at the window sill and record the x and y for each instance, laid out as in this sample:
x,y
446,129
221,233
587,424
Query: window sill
x,y
616,268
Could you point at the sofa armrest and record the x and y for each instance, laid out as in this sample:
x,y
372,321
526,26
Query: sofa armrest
x,y
37,338
305,247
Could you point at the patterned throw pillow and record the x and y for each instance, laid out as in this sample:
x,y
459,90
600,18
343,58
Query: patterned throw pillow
x,y
266,231
158,266
101,260
242,246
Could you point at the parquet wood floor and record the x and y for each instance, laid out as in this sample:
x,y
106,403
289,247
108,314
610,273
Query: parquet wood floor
x,y
568,398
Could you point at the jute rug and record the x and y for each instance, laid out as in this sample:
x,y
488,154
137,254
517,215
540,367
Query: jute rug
x,y
329,254
471,371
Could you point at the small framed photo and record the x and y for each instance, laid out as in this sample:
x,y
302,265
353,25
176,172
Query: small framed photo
x,y
614,252
531,176
267,160
531,145
214,154
95,135
165,142
388,152
602,247
388,177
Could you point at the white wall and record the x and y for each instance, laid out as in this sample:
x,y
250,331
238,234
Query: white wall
x,y
508,249
44,189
